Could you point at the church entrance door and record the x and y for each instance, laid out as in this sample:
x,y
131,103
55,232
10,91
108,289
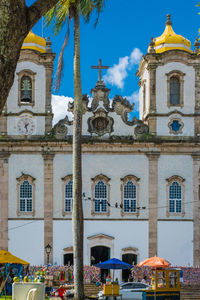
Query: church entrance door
x,y
99,254
130,259
68,259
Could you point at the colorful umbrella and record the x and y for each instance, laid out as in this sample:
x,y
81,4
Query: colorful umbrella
x,y
113,264
154,262
7,258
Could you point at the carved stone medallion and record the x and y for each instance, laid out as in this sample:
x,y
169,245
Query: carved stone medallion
x,y
100,123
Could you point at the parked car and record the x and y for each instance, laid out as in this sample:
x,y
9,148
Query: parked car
x,y
130,290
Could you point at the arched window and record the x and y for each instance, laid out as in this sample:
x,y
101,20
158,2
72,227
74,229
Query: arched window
x,y
100,197
175,197
174,90
26,89
130,197
68,196
26,197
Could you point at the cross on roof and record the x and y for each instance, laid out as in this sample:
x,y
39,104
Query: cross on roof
x,y
100,67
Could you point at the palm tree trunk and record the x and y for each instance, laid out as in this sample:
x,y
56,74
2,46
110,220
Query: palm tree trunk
x,y
77,215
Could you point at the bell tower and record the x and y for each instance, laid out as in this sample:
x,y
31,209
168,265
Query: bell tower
x,y
28,110
168,80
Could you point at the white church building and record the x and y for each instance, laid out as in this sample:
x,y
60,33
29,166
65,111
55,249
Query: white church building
x,y
141,178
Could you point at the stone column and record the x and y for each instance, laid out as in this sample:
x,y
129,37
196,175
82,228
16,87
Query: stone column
x,y
196,209
4,200
197,100
152,97
48,203
153,202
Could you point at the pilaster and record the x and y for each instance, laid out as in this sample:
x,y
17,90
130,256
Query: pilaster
x,y
4,200
152,97
48,202
3,122
197,100
196,209
49,117
153,202
48,63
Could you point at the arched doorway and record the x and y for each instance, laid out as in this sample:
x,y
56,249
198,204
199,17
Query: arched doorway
x,y
68,259
99,254
131,259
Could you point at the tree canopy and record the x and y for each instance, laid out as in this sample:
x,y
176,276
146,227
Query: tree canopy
x,y
16,20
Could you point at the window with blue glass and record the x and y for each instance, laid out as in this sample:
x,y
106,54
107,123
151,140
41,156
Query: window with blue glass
x,y
130,197
68,196
100,197
26,197
175,125
175,197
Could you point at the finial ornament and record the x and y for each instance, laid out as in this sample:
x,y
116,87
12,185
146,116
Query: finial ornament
x,y
169,22
196,45
151,46
48,45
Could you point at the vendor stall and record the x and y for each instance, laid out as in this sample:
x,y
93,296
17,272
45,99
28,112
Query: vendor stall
x,y
165,280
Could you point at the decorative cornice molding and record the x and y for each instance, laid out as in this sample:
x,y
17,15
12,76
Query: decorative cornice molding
x,y
130,177
100,236
175,177
100,177
153,155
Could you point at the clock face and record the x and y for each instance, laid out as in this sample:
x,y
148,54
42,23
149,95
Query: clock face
x,y
26,125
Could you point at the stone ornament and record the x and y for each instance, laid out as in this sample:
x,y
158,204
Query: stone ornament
x,y
100,123
60,129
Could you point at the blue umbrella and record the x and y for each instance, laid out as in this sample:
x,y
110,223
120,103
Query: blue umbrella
x,y
114,264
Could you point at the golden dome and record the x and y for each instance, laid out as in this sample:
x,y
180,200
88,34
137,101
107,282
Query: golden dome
x,y
34,42
169,40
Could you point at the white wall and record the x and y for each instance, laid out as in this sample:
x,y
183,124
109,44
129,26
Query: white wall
x,y
175,242
28,164
163,128
39,122
26,240
62,238
119,127
126,234
113,166
62,166
145,76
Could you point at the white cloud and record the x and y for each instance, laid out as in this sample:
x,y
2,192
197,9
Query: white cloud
x,y
134,98
135,56
117,74
60,106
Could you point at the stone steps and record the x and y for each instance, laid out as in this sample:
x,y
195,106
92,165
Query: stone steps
x,y
91,289
190,293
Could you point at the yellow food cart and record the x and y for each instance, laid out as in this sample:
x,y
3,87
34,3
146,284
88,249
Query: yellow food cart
x,y
165,285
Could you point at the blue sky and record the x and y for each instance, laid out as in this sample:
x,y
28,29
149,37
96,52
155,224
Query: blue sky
x,y
122,35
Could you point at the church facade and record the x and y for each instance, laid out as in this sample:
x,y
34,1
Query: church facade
x,y
141,178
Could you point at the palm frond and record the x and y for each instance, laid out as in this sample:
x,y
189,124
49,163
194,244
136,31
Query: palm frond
x,y
89,6
58,15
